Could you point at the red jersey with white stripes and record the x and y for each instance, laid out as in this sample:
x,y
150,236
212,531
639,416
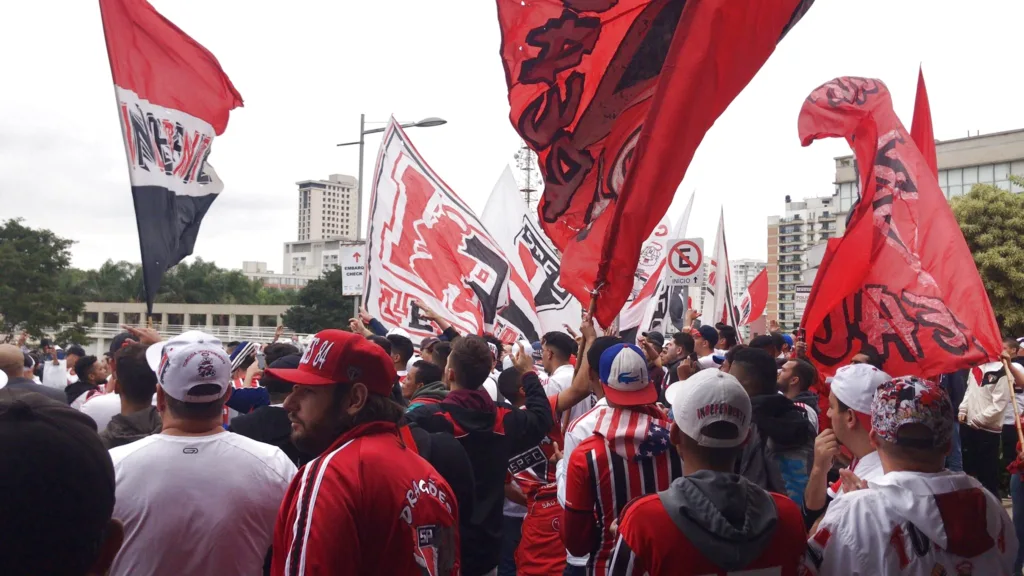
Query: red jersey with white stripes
x,y
628,456
540,551
533,469
368,505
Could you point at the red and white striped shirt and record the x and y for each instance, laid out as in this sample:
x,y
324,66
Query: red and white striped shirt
x,y
628,456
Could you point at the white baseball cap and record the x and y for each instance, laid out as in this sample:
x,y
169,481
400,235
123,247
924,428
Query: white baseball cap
x,y
707,397
186,366
623,372
3,379
855,385
155,351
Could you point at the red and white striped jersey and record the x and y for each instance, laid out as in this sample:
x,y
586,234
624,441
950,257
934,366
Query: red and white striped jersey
x,y
628,456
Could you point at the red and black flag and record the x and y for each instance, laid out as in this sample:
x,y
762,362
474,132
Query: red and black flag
x,y
901,281
172,99
615,96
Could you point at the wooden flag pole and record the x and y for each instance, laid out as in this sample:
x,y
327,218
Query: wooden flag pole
x,y
1010,381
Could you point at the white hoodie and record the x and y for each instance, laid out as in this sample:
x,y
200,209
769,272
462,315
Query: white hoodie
x,y
984,402
910,523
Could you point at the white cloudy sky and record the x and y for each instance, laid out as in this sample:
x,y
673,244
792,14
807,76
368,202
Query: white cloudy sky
x,y
307,69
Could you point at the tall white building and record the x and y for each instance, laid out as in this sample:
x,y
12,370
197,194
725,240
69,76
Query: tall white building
x,y
328,208
743,273
790,237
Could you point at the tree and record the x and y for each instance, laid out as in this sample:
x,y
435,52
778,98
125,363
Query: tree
x,y
992,221
199,282
34,294
321,306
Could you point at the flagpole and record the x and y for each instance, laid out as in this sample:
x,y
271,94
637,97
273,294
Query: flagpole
x,y
128,163
1010,381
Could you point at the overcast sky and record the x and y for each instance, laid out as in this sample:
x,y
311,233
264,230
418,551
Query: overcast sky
x,y
307,69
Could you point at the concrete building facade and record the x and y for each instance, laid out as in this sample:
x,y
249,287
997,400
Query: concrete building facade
x,y
328,208
271,279
743,273
805,223
312,258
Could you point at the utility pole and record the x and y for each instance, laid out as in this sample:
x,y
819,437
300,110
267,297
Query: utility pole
x,y
529,176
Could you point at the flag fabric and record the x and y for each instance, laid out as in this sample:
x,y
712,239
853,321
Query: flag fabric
x,y
508,219
718,305
921,127
901,281
584,78
652,260
667,306
172,98
755,299
424,243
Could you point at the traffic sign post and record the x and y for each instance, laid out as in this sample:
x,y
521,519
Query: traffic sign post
x,y
685,262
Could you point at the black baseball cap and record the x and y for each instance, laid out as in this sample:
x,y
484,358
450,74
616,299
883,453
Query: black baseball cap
x,y
656,338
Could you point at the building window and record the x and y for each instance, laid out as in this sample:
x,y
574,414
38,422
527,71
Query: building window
x,y
986,174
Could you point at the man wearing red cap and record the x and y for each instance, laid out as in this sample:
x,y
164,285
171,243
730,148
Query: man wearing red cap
x,y
369,504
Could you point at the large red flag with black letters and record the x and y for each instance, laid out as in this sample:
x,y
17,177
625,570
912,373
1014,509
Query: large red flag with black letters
x,y
901,281
615,96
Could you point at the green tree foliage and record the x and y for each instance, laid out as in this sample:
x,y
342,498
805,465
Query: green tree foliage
x,y
321,306
199,282
34,295
992,221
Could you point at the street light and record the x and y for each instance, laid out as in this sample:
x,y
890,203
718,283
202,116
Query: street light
x,y
425,123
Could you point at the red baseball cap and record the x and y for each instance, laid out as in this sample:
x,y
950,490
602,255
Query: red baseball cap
x,y
339,357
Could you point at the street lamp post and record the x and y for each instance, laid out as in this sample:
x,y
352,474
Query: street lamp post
x,y
425,123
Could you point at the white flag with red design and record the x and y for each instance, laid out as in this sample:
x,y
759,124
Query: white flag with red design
x,y
425,243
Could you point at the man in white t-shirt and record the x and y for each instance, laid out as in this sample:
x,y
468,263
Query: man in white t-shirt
x,y
917,519
849,409
557,349
196,499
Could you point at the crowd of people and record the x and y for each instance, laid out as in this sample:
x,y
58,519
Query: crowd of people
x,y
364,452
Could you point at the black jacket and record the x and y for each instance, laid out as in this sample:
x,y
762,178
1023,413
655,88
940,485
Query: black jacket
x,y
449,458
490,434
269,425
76,389
30,386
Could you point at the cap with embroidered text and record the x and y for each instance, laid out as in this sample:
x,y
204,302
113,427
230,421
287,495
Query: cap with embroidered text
x,y
623,373
186,366
339,357
705,398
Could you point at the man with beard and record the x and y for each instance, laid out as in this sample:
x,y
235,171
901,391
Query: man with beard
x,y
368,504
92,374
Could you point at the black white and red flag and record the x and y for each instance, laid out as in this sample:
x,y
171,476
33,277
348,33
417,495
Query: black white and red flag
x,y
615,96
901,281
172,99
424,243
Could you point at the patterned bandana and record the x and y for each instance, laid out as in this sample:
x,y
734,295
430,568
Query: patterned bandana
x,y
911,400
